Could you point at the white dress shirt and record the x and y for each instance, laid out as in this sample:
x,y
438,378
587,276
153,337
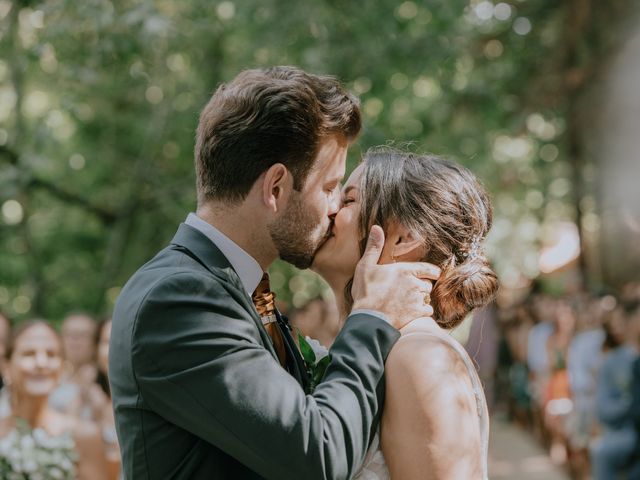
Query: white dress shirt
x,y
247,268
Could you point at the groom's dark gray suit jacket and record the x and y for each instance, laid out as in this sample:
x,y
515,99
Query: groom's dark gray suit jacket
x,y
199,394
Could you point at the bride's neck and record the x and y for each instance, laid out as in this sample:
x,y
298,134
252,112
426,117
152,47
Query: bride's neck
x,y
344,308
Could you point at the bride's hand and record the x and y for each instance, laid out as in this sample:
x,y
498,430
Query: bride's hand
x,y
400,291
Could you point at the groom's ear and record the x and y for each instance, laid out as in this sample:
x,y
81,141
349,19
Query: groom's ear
x,y
276,187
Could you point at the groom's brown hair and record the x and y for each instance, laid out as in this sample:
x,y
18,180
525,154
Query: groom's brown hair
x,y
268,116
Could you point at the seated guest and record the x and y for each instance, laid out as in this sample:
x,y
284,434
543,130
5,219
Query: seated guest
x,y
612,453
32,370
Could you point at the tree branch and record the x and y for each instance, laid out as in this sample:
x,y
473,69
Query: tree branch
x,y
106,216
10,154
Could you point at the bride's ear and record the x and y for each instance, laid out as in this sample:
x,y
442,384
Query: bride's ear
x,y
407,247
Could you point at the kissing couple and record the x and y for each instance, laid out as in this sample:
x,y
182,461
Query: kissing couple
x,y
207,378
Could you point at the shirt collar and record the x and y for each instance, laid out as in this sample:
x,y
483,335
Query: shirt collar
x,y
247,268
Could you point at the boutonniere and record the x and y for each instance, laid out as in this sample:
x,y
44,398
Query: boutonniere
x,y
316,358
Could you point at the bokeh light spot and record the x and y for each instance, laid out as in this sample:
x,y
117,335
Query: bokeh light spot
x,y
522,26
77,161
154,94
12,212
226,10
407,11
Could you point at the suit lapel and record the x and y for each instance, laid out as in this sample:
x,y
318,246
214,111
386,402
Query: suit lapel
x,y
295,362
195,244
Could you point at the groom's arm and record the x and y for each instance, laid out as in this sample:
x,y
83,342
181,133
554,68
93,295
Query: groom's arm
x,y
199,364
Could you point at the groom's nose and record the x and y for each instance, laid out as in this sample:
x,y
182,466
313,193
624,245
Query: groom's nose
x,y
334,203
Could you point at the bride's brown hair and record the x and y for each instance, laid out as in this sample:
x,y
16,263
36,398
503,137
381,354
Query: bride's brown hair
x,y
442,203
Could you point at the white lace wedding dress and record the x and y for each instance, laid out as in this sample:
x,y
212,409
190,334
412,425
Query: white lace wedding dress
x,y
375,467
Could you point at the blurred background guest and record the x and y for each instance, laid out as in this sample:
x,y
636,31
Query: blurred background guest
x,y
635,409
106,418
583,362
79,332
5,331
32,370
317,319
557,400
482,345
73,396
543,311
513,372
612,453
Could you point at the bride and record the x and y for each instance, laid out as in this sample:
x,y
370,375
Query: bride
x,y
435,420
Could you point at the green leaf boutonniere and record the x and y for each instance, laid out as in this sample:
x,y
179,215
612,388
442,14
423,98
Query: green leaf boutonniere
x,y
316,357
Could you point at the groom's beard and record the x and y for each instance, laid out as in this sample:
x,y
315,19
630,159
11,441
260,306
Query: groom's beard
x,y
293,234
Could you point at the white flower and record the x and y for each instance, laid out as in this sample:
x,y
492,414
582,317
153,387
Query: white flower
x,y
29,466
319,350
14,456
66,464
56,473
27,442
40,436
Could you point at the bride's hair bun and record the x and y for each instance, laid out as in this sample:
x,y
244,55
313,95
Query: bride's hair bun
x,y
461,288
443,203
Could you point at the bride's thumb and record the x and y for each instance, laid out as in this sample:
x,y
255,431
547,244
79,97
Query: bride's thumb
x,y
375,242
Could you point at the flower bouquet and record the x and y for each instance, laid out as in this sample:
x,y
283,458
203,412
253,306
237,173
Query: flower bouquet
x,y
32,454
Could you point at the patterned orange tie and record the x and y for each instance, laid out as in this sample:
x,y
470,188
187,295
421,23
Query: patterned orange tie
x,y
263,298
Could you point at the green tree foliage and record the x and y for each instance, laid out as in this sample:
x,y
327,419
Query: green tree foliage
x,y
99,101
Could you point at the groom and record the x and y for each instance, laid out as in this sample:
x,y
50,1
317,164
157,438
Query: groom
x,y
204,386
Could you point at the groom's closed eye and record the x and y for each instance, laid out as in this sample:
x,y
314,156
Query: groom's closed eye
x,y
332,187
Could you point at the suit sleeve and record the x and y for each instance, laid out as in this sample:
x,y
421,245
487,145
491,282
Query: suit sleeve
x,y
199,364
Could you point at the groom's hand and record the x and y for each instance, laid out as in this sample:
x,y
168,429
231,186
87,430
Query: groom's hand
x,y
397,290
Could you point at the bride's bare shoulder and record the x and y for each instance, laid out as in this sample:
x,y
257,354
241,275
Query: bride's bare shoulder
x,y
431,373
426,355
